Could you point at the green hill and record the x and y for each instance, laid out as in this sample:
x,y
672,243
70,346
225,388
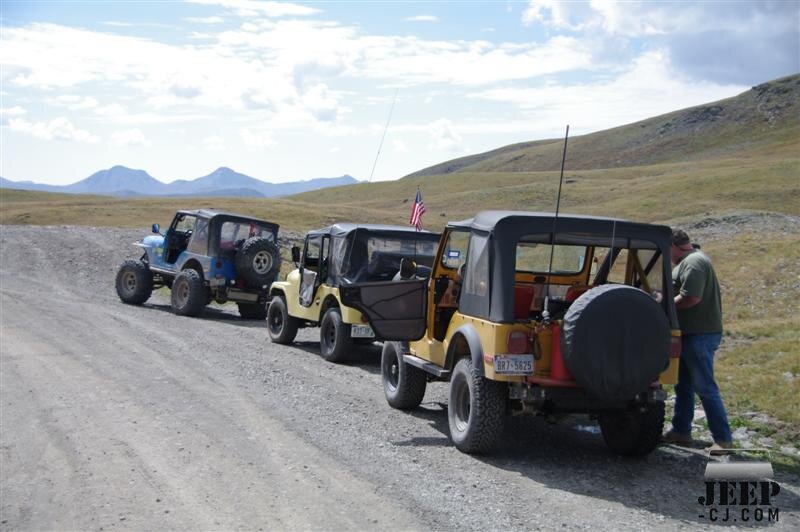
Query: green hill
x,y
765,115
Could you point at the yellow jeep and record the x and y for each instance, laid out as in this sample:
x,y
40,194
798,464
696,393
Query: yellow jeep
x,y
336,256
517,325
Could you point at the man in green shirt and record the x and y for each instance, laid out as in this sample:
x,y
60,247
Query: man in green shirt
x,y
697,299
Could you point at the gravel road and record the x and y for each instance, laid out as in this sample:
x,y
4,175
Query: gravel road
x,y
124,417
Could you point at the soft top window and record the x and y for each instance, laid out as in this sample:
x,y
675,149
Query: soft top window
x,y
534,257
377,257
233,233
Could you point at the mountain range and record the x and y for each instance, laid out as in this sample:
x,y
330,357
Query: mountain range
x,y
222,182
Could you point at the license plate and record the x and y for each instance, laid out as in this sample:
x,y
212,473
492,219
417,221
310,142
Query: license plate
x,y
513,364
361,331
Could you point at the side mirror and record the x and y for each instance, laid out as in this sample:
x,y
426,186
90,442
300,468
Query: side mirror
x,y
295,254
156,229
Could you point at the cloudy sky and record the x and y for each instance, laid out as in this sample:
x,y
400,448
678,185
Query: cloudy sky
x,y
287,91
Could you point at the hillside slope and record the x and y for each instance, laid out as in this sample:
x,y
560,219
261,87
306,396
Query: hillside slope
x,y
767,114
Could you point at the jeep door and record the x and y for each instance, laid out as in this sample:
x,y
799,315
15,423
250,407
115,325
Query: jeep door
x,y
395,309
313,262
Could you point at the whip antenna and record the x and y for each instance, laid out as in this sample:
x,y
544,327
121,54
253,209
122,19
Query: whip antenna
x,y
546,311
391,110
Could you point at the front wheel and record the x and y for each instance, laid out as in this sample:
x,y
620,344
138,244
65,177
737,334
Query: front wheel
x,y
282,328
335,341
189,295
476,409
403,384
134,282
252,311
634,433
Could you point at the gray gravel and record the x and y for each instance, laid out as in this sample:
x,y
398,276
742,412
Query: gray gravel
x,y
115,416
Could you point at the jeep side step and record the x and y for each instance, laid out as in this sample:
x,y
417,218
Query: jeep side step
x,y
426,366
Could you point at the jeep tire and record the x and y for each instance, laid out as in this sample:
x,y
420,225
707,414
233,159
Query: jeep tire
x,y
252,311
189,294
281,327
403,384
633,433
134,282
258,262
334,336
476,409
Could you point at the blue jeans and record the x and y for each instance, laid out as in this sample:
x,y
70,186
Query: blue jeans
x,y
696,376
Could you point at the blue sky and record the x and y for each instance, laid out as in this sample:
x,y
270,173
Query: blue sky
x,y
286,91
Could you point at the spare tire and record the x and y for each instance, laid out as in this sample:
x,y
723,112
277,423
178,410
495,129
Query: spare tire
x,y
615,341
258,262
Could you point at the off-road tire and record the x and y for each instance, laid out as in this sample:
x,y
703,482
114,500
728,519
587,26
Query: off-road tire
x,y
476,409
189,294
335,342
281,327
252,311
258,262
134,282
634,433
403,384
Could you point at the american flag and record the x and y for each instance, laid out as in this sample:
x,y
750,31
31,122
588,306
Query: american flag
x,y
417,211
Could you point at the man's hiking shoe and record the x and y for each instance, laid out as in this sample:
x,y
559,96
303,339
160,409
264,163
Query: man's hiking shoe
x,y
719,448
676,438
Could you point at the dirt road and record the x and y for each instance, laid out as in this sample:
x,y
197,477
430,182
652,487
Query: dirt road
x,y
115,416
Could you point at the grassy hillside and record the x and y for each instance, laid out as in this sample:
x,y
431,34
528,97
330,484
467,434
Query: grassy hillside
x,y
765,115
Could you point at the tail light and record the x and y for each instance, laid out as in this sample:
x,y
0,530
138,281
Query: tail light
x,y
675,347
364,319
517,342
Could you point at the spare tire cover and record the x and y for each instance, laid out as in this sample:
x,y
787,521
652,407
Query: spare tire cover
x,y
615,341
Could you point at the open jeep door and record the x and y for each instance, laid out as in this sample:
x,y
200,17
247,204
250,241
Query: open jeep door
x,y
395,309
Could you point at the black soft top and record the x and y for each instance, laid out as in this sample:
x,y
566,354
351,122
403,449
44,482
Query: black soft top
x,y
213,213
342,229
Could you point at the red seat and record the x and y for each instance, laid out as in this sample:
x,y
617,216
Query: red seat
x,y
523,297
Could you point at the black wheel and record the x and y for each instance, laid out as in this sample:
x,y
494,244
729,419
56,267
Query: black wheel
x,y
189,295
282,327
258,262
252,311
335,341
134,282
476,409
634,433
403,384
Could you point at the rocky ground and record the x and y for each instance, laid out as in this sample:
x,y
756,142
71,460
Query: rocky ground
x,y
123,417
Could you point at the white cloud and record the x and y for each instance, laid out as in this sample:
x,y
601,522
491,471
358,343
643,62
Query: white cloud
x,y
12,111
422,18
129,137
214,143
444,135
257,139
56,129
252,8
205,20
74,102
649,88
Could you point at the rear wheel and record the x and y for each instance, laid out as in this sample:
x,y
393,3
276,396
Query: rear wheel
x,y
252,311
282,328
634,433
403,384
189,295
335,341
476,409
134,282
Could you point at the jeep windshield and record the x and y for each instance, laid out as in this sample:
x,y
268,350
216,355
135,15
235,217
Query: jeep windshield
x,y
368,256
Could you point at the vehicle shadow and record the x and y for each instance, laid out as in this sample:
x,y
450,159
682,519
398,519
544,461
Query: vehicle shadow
x,y
571,456
217,314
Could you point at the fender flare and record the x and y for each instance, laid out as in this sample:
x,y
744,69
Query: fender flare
x,y
473,340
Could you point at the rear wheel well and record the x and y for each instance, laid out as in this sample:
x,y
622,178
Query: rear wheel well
x,y
459,348
330,302
193,265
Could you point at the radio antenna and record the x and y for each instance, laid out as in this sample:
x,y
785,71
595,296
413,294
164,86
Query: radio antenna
x,y
546,311
388,119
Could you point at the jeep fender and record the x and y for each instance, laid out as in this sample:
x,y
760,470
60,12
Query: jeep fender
x,y
153,246
467,334
193,264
